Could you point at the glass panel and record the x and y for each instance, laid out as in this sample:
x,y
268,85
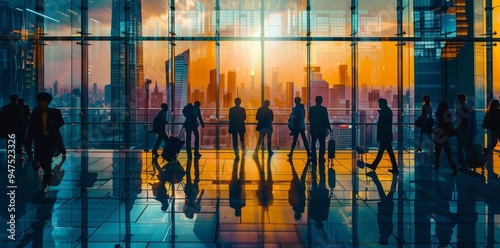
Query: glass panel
x,y
496,51
61,18
377,79
285,19
239,18
329,18
377,18
285,78
194,18
240,76
100,17
331,79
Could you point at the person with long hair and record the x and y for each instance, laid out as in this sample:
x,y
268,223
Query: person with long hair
x,y
493,113
465,117
425,112
444,129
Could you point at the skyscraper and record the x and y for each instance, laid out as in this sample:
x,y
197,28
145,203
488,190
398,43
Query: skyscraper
x,y
180,91
156,97
56,88
231,82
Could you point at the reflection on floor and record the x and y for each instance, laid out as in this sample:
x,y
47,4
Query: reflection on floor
x,y
128,199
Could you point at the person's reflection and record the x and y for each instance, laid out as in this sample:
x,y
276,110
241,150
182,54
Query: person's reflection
x,y
44,206
237,198
159,189
192,202
445,220
297,191
319,198
385,208
265,189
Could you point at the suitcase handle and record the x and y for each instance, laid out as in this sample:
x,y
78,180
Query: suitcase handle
x,y
183,131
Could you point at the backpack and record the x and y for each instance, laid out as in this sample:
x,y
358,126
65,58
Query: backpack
x,y
157,124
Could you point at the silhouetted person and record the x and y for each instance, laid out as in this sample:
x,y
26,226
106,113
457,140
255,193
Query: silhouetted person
x,y
385,208
159,128
443,131
12,121
60,149
43,129
237,117
192,203
297,191
193,120
426,112
299,127
384,136
265,117
319,199
26,115
319,125
493,113
237,197
465,116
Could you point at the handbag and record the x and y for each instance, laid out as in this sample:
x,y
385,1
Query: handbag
x,y
419,122
486,122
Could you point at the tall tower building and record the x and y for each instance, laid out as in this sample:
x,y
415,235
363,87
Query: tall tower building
x,y
56,88
156,97
231,82
180,87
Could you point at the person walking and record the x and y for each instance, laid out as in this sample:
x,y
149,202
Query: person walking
x,y
265,119
465,116
193,120
318,119
43,129
444,129
425,112
159,123
11,121
493,124
26,115
299,126
237,117
384,136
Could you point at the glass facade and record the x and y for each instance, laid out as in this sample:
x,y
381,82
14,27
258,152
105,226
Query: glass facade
x,y
110,64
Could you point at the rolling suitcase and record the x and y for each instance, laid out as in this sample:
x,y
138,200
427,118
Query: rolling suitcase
x,y
331,147
173,148
474,156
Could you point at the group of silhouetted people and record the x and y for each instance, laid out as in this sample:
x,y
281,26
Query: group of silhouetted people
x,y
40,126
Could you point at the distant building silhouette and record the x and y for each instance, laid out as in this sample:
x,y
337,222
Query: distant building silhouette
x,y
180,87
156,98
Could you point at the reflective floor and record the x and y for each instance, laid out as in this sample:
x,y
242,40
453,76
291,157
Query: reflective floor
x,y
127,199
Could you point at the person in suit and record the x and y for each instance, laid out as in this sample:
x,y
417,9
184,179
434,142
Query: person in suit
x,y
385,208
299,126
26,115
12,121
444,129
43,129
159,128
465,116
425,112
384,136
265,119
191,124
237,117
318,119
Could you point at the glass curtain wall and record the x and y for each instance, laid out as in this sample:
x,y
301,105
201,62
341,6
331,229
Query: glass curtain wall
x,y
272,50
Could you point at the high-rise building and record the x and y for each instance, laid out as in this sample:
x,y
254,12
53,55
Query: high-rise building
x,y
94,90
289,95
231,82
211,89
343,75
119,67
107,94
180,87
156,97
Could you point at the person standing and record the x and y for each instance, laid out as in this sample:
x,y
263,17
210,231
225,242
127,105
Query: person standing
x,y
159,123
299,127
265,119
444,130
493,113
318,119
11,121
26,115
426,112
43,129
384,136
193,120
465,116
237,117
